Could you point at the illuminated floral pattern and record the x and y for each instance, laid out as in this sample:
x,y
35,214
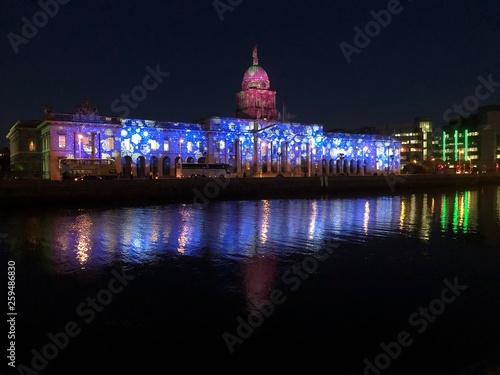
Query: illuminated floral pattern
x,y
290,143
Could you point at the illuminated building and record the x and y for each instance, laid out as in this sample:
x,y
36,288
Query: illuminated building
x,y
472,142
256,100
257,142
416,139
25,147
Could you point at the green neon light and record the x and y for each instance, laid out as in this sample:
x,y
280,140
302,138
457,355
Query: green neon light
x,y
456,145
444,146
466,135
443,213
466,211
455,214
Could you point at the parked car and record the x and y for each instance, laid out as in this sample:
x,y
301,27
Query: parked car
x,y
88,177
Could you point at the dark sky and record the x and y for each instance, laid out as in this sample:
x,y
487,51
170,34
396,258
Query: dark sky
x,y
427,58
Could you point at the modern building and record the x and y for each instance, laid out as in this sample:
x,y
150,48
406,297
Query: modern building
x,y
416,139
256,141
472,142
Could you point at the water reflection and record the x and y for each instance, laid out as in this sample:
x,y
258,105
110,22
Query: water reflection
x,y
93,238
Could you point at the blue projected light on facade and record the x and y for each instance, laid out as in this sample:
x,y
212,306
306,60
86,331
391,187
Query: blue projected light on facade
x,y
268,146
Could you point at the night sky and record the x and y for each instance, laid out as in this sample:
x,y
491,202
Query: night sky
x,y
427,58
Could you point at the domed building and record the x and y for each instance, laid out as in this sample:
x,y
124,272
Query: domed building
x,y
255,143
256,100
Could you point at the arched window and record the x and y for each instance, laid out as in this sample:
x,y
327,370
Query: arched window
x,y
153,165
141,166
127,166
166,166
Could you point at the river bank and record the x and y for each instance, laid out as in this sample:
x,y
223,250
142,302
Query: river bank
x,y
47,194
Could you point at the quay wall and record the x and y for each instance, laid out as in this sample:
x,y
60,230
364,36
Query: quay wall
x,y
201,191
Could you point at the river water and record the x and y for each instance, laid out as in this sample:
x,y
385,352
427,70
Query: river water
x,y
400,284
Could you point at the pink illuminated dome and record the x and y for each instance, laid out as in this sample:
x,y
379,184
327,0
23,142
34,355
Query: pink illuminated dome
x,y
255,77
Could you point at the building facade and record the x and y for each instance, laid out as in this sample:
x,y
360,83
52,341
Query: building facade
x,y
255,142
25,149
472,142
416,139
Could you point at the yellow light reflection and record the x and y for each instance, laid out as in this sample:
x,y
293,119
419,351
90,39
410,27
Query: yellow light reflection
x,y
402,215
83,226
412,220
425,227
461,210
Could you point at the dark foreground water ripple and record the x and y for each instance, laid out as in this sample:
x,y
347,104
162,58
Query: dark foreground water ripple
x,y
382,285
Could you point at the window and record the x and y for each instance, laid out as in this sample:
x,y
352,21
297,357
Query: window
x,y
126,145
110,143
166,145
154,145
32,146
62,141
